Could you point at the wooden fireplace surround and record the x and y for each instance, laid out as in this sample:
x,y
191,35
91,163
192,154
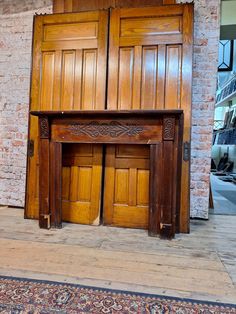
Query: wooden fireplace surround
x,y
162,130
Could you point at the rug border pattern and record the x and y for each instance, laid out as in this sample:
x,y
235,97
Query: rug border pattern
x,y
117,291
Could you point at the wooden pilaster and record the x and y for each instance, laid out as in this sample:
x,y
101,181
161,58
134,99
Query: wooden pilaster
x,y
168,181
44,169
55,184
155,194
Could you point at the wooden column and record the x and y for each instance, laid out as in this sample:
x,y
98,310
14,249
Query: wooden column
x,y
50,167
44,170
164,177
55,184
186,99
155,194
168,184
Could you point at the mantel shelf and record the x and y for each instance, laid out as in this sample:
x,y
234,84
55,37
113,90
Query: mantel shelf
x,y
106,112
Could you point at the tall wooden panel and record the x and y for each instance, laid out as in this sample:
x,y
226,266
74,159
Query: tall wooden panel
x,y
69,73
150,67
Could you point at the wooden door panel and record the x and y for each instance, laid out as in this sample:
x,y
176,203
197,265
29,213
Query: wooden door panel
x,y
173,77
149,78
71,31
46,88
144,26
142,187
150,67
67,79
126,186
69,73
126,151
81,183
125,75
88,97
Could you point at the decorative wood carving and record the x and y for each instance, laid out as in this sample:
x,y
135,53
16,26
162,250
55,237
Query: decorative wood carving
x,y
113,129
44,127
168,128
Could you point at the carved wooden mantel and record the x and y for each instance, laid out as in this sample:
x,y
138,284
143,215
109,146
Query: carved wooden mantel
x,y
160,129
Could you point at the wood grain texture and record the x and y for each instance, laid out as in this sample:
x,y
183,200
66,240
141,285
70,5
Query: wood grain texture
x,y
198,266
155,200
68,6
72,49
44,177
186,105
178,174
125,194
58,6
167,225
149,68
81,183
137,3
32,190
169,1
173,76
106,130
55,185
63,6
139,27
154,62
122,206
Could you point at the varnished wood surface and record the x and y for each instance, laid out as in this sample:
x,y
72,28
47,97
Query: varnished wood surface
x,y
154,62
155,200
200,265
186,105
150,67
56,191
108,113
125,204
147,133
126,198
81,183
68,73
44,187
64,6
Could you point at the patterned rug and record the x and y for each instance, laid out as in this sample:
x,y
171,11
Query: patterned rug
x,y
20,296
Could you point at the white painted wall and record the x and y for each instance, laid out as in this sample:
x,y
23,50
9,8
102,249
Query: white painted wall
x,y
228,12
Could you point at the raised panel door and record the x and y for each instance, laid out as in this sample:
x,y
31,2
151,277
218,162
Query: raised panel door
x,y
69,73
126,186
150,67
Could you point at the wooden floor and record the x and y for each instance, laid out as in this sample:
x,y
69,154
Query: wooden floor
x,y
201,265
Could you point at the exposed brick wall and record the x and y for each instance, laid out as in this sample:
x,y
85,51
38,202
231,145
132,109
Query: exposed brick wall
x,y
206,38
19,6
15,43
15,64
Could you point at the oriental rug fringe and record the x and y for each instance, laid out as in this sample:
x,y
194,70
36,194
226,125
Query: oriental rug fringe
x,y
20,296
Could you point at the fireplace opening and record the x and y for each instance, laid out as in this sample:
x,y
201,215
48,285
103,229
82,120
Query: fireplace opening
x,y
106,184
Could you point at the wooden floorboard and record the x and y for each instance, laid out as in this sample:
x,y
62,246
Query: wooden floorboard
x,y
200,265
